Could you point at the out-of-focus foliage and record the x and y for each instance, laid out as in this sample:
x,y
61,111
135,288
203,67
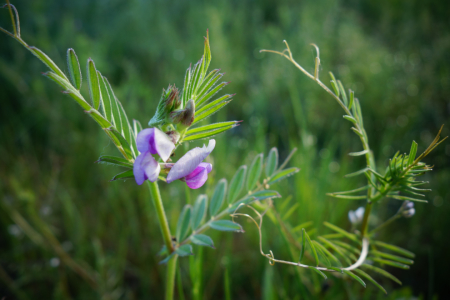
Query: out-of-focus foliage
x,y
395,55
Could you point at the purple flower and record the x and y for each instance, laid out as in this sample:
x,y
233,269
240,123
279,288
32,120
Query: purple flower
x,y
190,167
151,141
199,176
156,142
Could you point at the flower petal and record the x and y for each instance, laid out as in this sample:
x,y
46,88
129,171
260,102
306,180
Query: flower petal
x,y
187,164
156,142
198,180
145,167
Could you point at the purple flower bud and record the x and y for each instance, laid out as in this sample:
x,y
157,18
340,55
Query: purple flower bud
x,y
155,141
145,167
189,162
199,176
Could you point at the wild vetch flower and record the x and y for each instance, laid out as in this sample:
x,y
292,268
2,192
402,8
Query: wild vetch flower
x,y
198,177
151,141
356,216
190,167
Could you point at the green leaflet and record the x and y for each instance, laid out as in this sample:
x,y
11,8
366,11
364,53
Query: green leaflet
x,y
114,160
74,68
362,197
368,277
280,175
322,254
254,171
210,127
123,142
311,245
236,184
126,127
207,134
318,272
382,272
226,225
355,277
114,107
364,152
93,84
271,162
342,91
349,235
106,98
391,263
352,97
48,62
198,211
396,258
210,111
211,93
218,197
303,250
362,171
183,223
212,104
124,175
137,127
202,240
184,250
395,249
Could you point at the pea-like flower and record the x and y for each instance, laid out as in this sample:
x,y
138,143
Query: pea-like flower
x,y
356,216
191,168
151,141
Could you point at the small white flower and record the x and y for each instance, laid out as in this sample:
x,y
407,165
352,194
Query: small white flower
x,y
356,216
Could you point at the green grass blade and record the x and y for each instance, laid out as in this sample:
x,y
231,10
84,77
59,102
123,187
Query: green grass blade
x,y
318,272
382,272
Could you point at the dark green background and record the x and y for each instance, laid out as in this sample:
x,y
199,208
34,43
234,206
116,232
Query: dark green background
x,y
394,54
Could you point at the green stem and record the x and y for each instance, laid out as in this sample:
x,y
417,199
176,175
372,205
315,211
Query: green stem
x,y
387,222
365,223
163,224
170,277
165,230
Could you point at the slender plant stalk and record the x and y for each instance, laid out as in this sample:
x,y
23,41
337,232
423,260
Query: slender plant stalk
x,y
163,224
170,277
165,230
387,222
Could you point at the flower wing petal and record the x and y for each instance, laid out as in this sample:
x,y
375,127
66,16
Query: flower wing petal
x,y
145,167
187,164
162,145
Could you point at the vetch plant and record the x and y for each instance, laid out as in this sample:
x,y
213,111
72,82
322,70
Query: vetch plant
x,y
147,156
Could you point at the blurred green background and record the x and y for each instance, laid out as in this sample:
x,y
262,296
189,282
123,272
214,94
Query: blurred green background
x,y
394,54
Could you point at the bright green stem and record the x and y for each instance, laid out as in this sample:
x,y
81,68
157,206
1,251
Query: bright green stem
x,y
365,223
170,277
163,224
389,221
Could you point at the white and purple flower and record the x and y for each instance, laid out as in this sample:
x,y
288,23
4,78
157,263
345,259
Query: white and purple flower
x,y
189,168
151,141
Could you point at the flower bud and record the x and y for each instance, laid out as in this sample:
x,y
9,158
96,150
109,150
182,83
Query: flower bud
x,y
185,116
408,213
171,98
170,101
